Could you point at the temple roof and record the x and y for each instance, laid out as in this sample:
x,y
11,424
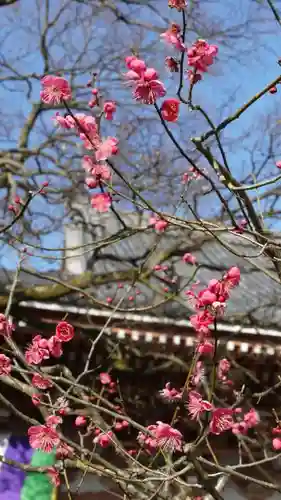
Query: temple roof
x,y
113,254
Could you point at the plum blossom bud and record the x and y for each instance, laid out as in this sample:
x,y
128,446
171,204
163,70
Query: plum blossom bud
x,y
104,439
105,378
276,443
189,258
172,64
5,326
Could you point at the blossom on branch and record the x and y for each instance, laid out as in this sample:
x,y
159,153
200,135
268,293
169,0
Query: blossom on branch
x,y
170,394
105,378
201,55
64,331
37,351
101,202
55,89
172,64
177,4
41,382
5,326
173,37
170,110
163,436
147,87
197,405
43,437
55,347
158,223
104,439
109,108
5,365
54,476
188,258
222,420
107,148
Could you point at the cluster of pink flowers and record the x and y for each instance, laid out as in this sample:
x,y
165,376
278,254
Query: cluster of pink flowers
x,y
146,86
41,348
200,56
250,420
119,426
95,166
41,382
211,301
161,436
56,90
221,418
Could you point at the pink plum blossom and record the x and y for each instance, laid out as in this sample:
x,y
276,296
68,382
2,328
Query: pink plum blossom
x,y
146,86
5,365
106,149
177,4
54,476
173,37
55,346
104,439
101,202
197,405
55,89
222,420
64,331
41,382
6,327
43,437
170,110
189,258
170,394
163,436
37,351
109,108
105,378
158,223
201,55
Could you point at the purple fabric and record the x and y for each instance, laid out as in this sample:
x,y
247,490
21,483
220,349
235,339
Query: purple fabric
x,y
11,478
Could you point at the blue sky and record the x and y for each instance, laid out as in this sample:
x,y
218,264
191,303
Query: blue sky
x,y
245,65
